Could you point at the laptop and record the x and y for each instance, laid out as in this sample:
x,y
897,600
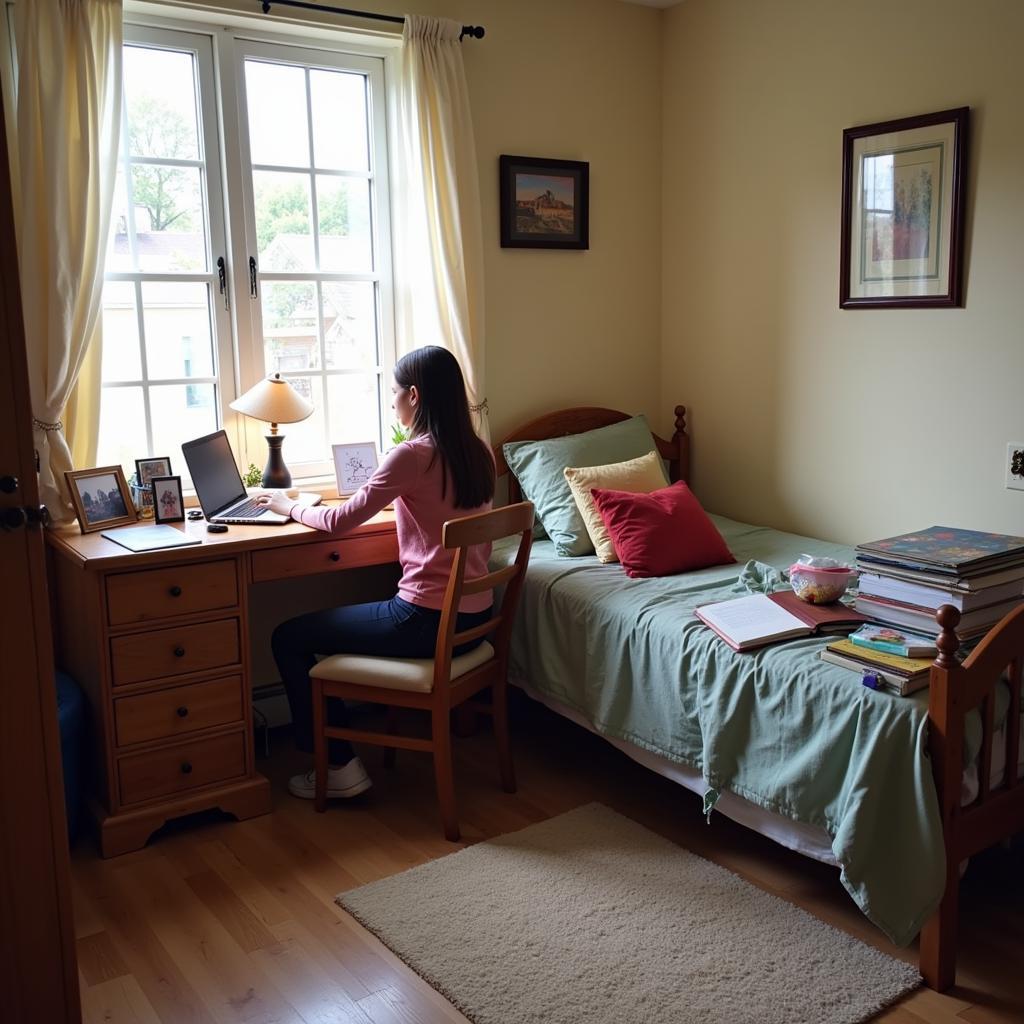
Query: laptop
x,y
219,486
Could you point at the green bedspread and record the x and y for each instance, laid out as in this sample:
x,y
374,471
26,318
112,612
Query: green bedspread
x,y
777,726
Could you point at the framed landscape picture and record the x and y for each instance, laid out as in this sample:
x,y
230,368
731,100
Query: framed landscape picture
x,y
544,203
904,184
101,497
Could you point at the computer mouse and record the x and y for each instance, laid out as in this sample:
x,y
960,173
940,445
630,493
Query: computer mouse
x,y
216,528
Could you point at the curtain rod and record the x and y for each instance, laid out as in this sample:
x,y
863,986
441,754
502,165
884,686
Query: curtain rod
x,y
476,31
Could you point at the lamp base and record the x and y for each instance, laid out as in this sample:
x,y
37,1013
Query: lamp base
x,y
275,473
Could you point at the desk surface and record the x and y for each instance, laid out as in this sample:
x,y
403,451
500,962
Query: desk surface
x,y
94,551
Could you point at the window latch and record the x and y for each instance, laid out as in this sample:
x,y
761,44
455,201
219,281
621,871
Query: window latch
x,y
253,290
222,279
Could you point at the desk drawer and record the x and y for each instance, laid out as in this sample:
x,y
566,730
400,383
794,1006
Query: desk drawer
x,y
180,768
180,710
326,556
173,652
176,590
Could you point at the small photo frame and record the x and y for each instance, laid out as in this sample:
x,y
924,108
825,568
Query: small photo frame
x,y
904,199
168,503
545,204
146,469
354,464
101,498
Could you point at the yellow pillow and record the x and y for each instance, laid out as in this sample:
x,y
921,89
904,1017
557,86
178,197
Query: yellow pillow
x,y
636,476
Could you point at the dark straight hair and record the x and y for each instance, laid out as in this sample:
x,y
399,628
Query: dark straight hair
x,y
443,412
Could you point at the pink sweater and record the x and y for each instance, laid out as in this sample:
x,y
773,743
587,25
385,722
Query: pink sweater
x,y
407,478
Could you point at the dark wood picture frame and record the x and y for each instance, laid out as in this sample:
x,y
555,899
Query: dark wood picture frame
x,y
175,482
143,477
87,523
917,227
544,215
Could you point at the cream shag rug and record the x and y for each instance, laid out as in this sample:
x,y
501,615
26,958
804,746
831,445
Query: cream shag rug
x,y
589,917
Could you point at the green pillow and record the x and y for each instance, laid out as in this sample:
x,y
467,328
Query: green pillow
x,y
538,467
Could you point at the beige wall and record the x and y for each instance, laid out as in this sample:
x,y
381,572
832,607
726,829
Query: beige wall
x,y
843,424
580,80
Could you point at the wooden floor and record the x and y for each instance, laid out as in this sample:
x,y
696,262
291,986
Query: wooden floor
x,y
225,921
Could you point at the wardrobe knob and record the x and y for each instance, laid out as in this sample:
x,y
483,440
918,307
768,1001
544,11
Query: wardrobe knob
x,y
175,591
179,652
186,768
183,712
335,556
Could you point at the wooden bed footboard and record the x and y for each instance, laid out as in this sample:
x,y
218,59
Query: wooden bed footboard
x,y
996,813
577,421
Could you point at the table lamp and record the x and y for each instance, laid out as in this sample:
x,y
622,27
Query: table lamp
x,y
274,401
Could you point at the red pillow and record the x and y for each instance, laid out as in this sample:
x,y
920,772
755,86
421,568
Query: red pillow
x,y
661,533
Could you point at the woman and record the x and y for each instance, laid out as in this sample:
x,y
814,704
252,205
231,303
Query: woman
x,y
444,471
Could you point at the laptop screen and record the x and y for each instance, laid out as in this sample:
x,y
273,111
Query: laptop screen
x,y
214,473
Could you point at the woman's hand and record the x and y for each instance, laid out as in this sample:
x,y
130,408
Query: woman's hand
x,y
276,501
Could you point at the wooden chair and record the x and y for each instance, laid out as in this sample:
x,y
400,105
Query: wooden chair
x,y
998,811
443,682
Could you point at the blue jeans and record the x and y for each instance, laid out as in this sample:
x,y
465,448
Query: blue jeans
x,y
394,628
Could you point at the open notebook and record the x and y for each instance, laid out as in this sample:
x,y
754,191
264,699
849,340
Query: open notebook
x,y
745,623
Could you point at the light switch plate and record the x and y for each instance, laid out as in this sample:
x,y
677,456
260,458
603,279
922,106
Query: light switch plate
x,y
1015,460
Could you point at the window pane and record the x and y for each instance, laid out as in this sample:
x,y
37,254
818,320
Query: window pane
x,y
119,257
276,98
343,209
305,440
339,120
354,401
350,324
181,412
122,428
290,339
160,92
168,212
176,318
283,231
121,359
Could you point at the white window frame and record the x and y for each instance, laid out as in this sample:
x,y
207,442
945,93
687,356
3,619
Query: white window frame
x,y
214,228
251,354
240,347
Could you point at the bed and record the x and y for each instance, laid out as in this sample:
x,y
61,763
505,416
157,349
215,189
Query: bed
x,y
888,789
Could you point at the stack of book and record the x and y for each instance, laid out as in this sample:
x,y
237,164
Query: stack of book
x,y
904,580
881,669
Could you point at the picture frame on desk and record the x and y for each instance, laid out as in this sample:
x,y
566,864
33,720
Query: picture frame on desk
x,y
101,498
168,501
146,469
545,203
904,198
354,464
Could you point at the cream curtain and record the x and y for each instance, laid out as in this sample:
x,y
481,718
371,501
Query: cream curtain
x,y
69,115
438,237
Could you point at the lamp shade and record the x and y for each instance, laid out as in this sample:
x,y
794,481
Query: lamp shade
x,y
273,400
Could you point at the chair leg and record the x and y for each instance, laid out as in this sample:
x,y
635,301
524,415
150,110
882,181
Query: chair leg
x,y
938,937
392,730
319,746
499,711
442,739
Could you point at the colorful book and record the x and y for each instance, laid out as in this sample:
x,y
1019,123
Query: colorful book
x,y
893,663
961,584
891,640
947,548
890,682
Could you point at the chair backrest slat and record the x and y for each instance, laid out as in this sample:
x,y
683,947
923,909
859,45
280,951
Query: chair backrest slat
x,y
461,535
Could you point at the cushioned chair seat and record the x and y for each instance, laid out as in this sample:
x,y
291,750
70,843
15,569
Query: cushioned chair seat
x,y
410,674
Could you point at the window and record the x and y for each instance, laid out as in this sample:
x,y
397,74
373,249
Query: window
x,y
306,265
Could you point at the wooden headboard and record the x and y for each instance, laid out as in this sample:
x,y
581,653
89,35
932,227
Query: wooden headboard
x,y
577,421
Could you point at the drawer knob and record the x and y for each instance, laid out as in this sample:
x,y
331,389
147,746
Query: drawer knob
x,y
186,767
183,712
175,591
179,652
335,556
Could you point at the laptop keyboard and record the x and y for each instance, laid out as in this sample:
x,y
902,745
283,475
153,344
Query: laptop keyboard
x,y
248,510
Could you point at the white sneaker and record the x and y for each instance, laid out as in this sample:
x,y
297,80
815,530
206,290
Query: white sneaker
x,y
341,782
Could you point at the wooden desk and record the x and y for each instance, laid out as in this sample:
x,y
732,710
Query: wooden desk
x,y
159,641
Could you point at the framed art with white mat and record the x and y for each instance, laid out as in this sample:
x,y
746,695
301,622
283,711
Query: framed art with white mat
x,y
354,464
